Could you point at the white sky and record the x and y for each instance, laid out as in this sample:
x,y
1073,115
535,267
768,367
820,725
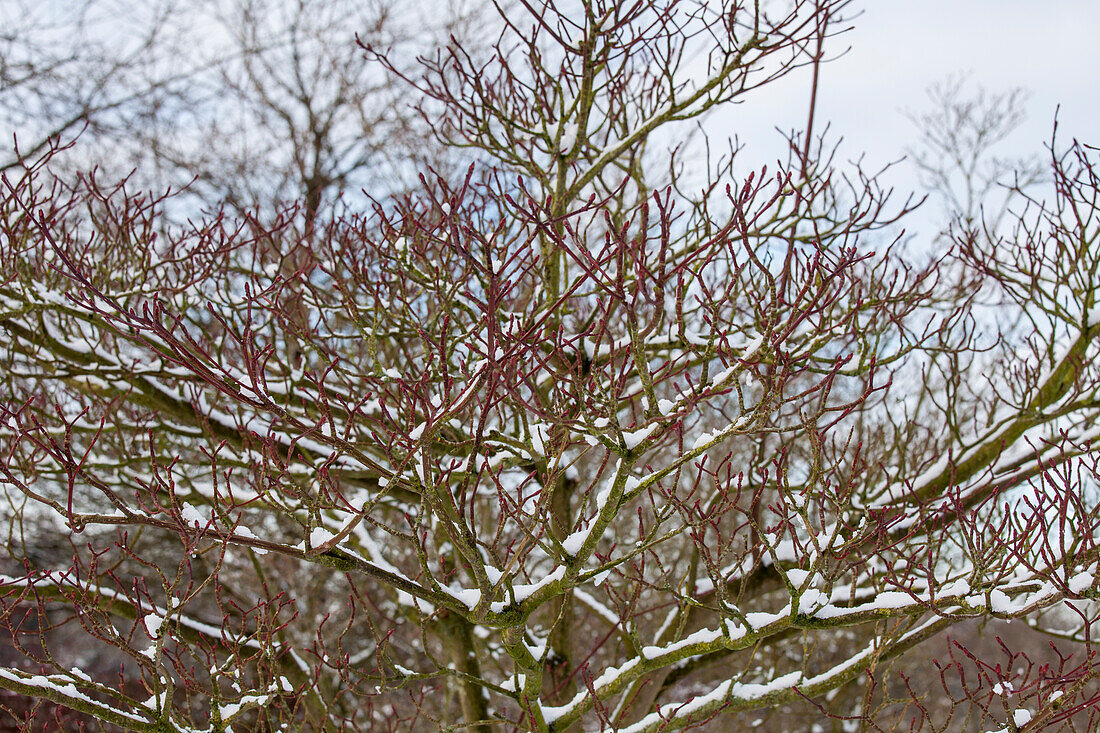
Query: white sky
x,y
899,47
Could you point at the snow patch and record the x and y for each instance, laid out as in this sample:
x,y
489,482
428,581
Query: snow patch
x,y
319,536
798,577
811,600
568,138
153,624
892,599
573,543
701,441
1081,582
468,597
958,588
230,710
191,515
632,440
759,620
999,602
514,684
243,531
540,435
523,591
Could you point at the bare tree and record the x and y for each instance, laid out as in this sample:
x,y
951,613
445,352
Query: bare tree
x,y
292,111
956,153
549,446
253,103
79,68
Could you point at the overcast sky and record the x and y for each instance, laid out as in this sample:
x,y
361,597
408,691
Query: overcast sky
x,y
899,47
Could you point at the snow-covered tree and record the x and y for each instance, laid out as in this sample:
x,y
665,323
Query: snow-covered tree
x,y
602,435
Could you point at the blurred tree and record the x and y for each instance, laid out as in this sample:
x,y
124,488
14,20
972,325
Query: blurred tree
x,y
73,67
956,154
253,103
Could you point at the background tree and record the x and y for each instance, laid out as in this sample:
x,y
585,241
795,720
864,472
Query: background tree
x,y
956,157
291,111
257,104
63,73
550,445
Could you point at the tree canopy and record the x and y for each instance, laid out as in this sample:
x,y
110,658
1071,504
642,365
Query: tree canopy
x,y
598,432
